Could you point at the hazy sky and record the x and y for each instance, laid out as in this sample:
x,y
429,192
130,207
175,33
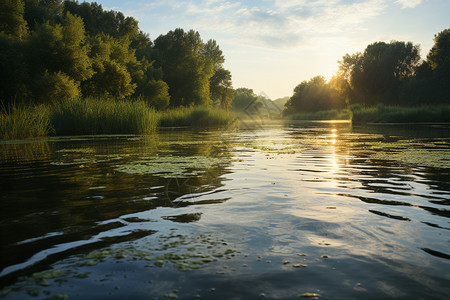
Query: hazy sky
x,y
273,45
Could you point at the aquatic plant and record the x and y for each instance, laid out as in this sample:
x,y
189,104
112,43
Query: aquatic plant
x,y
199,116
172,166
24,121
398,114
103,116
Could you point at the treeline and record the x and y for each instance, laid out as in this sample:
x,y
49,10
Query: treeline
x,y
53,49
384,74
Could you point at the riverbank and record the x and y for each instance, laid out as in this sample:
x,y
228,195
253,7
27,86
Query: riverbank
x,y
101,116
332,114
359,114
397,114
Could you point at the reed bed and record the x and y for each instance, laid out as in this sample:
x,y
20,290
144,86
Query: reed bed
x,y
397,114
89,116
25,121
195,117
103,116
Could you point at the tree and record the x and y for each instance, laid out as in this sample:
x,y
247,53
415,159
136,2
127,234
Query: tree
x,y
99,21
340,91
309,96
156,94
186,68
14,75
221,88
376,75
56,86
245,99
61,48
11,18
110,60
38,12
440,52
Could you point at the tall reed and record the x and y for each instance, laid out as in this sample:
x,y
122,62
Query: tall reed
x,y
103,116
397,114
195,117
24,121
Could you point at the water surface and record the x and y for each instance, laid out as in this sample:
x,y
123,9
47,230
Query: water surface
x,y
274,210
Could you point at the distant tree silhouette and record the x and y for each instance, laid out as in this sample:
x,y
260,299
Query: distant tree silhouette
x,y
376,75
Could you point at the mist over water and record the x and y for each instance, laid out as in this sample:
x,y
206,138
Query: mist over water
x,y
274,211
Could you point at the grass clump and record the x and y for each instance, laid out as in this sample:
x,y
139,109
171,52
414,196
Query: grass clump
x,y
103,116
332,114
195,116
24,121
397,114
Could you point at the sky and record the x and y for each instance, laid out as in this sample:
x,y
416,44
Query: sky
x,y
271,46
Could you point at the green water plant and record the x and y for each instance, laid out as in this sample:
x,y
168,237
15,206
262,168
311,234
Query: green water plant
x,y
103,116
397,114
24,121
200,116
172,166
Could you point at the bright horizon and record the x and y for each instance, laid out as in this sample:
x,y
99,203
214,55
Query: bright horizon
x,y
271,46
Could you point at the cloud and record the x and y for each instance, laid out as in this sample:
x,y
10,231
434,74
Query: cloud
x,y
267,23
409,3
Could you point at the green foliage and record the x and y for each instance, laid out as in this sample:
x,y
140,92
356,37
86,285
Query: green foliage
x,y
13,70
186,68
103,116
245,99
80,49
199,116
397,114
37,13
431,85
61,48
313,96
440,52
156,94
11,18
54,86
99,21
24,121
221,88
376,75
111,76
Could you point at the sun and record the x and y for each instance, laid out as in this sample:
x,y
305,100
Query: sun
x,y
330,71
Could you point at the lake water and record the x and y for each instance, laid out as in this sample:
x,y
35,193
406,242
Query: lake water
x,y
274,210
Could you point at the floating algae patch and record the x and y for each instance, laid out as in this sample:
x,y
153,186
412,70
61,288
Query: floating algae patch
x,y
431,158
173,166
180,252
77,150
78,161
277,147
49,274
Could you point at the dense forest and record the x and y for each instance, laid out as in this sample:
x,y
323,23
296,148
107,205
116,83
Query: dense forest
x,y
53,49
385,73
